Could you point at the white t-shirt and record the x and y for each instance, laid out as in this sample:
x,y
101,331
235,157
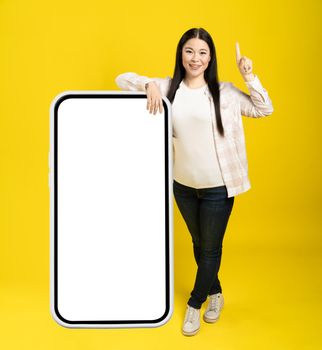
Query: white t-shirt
x,y
195,157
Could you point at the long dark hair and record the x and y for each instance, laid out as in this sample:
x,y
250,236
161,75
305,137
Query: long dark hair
x,y
210,74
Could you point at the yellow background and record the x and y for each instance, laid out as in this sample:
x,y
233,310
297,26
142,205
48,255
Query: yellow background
x,y
271,265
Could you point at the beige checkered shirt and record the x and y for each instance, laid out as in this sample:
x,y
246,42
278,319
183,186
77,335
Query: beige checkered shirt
x,y
234,104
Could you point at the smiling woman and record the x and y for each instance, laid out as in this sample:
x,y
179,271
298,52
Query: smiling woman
x,y
195,60
210,162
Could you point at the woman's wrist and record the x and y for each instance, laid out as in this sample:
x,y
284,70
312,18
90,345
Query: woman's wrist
x,y
147,84
249,77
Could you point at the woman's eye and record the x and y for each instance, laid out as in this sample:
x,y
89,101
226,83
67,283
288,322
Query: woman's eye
x,y
202,53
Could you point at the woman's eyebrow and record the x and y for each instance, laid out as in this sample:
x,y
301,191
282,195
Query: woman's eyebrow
x,y
188,47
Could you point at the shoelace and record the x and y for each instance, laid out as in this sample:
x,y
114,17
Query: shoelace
x,y
191,313
214,303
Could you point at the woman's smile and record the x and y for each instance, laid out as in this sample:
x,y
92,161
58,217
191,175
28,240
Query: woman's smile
x,y
194,66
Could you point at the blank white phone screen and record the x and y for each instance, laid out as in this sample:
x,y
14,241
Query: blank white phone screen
x,y
112,194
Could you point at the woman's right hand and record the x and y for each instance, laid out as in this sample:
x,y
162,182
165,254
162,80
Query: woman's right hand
x,y
154,97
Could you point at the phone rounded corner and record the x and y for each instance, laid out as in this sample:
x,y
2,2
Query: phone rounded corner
x,y
58,318
165,318
167,102
58,99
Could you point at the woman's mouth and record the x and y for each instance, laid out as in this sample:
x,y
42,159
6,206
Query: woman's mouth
x,y
194,66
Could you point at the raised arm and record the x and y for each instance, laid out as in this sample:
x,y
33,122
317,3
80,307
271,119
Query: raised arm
x,y
258,103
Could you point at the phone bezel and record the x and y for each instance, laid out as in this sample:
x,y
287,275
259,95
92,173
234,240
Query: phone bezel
x,y
53,156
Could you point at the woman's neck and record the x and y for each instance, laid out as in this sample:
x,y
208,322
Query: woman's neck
x,y
194,82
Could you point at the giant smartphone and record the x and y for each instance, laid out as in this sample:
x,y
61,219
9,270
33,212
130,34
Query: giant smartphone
x,y
111,226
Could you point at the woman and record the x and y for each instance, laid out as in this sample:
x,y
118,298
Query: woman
x,y
210,163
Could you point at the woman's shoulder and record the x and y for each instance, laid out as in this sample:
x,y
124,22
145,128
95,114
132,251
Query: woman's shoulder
x,y
227,89
164,84
225,85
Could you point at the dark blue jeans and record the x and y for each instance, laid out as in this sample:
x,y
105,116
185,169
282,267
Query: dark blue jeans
x,y
206,212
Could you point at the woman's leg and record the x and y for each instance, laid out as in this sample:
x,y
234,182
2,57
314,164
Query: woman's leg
x,y
188,204
215,209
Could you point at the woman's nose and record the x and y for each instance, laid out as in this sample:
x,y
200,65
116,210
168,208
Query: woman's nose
x,y
195,58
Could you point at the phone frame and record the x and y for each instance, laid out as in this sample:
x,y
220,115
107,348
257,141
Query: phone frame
x,y
53,178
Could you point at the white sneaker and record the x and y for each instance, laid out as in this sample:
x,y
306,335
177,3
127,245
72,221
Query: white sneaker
x,y
216,303
191,323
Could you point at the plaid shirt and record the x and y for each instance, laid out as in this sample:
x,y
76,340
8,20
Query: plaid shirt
x,y
233,104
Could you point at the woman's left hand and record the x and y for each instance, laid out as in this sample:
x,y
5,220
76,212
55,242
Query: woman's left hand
x,y
245,65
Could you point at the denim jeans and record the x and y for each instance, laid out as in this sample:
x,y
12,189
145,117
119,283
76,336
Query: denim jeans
x,y
206,212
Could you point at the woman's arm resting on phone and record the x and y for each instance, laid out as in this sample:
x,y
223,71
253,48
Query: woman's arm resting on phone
x,y
154,87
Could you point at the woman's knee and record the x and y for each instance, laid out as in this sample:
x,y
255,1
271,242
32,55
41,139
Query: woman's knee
x,y
211,252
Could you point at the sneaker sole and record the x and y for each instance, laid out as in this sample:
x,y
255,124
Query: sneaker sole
x,y
191,333
211,320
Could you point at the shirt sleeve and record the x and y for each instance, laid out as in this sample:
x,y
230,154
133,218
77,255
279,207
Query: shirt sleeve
x,y
258,103
134,82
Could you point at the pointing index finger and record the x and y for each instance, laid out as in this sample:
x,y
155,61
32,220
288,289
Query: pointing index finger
x,y
238,55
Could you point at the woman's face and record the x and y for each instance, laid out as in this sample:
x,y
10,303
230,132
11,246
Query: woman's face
x,y
195,57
